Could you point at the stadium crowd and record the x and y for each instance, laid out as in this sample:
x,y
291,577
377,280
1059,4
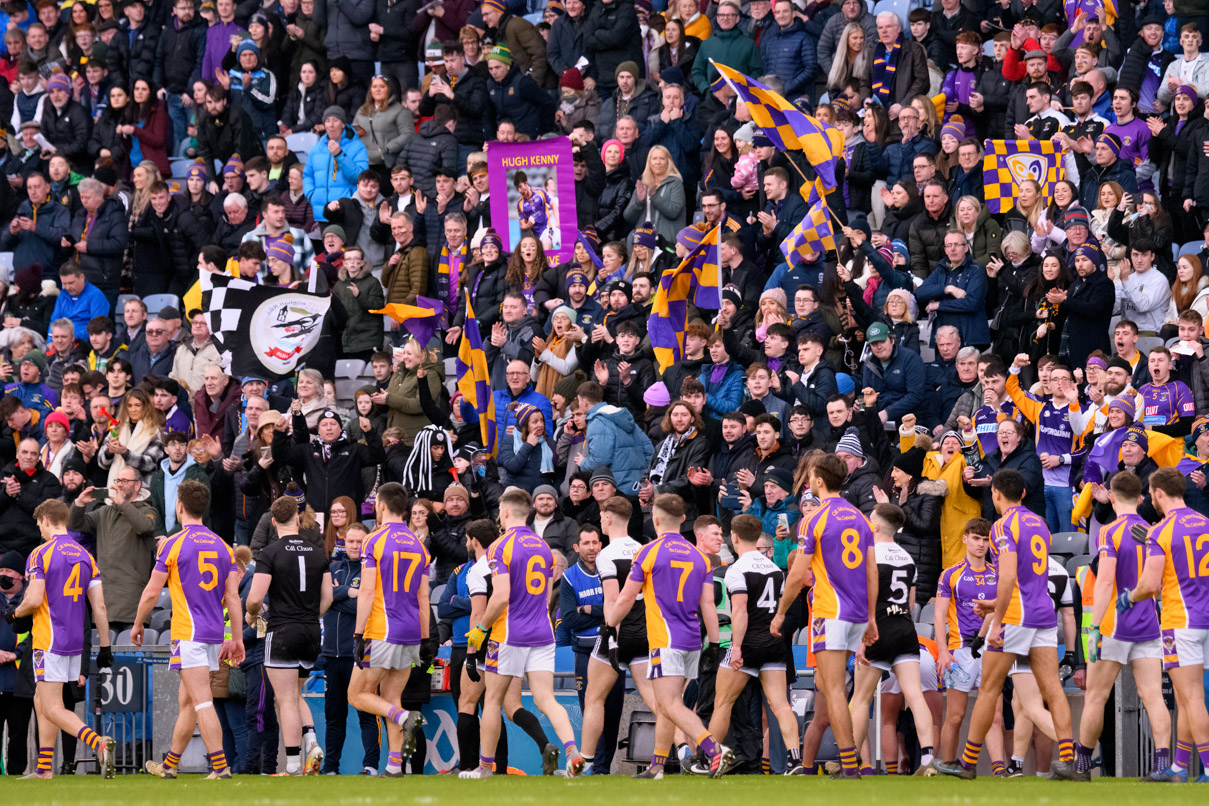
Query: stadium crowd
x,y
945,369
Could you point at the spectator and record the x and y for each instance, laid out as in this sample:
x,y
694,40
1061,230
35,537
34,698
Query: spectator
x,y
402,395
927,232
466,92
516,95
727,45
387,124
448,539
611,37
521,40
224,130
634,99
138,443
217,395
34,233
156,354
895,374
565,43
955,292
434,149
894,88
334,163
79,302
66,124
835,31
332,467
559,531
614,440
98,237
1015,453
176,467
24,483
788,51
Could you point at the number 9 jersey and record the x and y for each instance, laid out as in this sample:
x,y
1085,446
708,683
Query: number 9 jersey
x,y
526,560
1025,534
197,563
402,565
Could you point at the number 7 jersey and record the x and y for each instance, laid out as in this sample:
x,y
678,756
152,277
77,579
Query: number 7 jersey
x,y
197,563
402,565
526,560
673,572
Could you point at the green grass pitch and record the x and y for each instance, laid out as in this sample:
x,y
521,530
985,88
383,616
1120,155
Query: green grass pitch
x,y
191,790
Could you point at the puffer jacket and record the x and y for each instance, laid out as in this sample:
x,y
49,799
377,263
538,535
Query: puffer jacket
x,y
18,530
522,100
403,398
326,178
899,384
68,129
724,395
363,330
347,23
920,535
612,36
304,107
102,263
385,132
732,48
617,442
340,621
858,487
337,474
472,103
790,54
433,147
619,186
406,278
521,466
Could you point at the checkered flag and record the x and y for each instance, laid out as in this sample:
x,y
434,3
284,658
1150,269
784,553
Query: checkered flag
x,y
258,330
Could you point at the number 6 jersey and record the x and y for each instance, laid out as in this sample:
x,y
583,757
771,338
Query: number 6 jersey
x,y
197,563
526,560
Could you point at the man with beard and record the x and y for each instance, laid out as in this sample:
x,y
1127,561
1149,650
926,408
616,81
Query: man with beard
x,y
1115,382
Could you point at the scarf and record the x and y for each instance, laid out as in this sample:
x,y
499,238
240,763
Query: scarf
x,y
136,442
449,270
666,450
548,376
518,440
718,373
884,65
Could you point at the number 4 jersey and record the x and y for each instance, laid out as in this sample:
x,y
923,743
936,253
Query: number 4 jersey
x,y
526,560
197,563
759,578
68,571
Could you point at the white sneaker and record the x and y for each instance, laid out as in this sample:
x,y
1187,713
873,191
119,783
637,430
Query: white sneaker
x,y
477,772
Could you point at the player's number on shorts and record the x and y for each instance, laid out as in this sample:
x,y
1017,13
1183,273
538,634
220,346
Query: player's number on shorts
x,y
1041,552
851,541
1195,570
535,575
413,562
898,587
768,599
205,565
71,588
685,569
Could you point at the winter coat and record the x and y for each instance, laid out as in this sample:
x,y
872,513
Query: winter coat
x,y
1089,305
617,442
403,398
159,254
566,42
1137,64
304,107
340,621
153,136
522,100
42,245
612,36
408,277
232,132
561,533
667,209
347,24
920,535
178,55
644,102
68,129
619,187
385,132
472,103
829,39
211,415
527,46
363,330
106,242
725,395
339,474
857,489
899,384
105,136
692,452
432,148
789,53
521,467
987,234
18,530
732,48
155,490
125,549
967,314
326,178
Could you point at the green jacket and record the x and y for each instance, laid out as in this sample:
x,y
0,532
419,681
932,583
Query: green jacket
x,y
732,48
363,330
403,398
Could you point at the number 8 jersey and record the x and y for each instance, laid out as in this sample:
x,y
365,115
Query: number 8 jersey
x,y
1025,534
402,565
838,537
529,565
197,563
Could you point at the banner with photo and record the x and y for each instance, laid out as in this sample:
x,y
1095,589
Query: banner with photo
x,y
532,189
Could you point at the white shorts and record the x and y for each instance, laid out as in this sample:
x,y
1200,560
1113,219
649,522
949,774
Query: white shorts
x,y
1019,640
754,665
385,655
964,660
516,661
1124,652
52,668
191,654
668,662
1185,647
928,680
833,634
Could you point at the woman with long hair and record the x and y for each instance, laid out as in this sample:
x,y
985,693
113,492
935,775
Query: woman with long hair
x,y
1190,291
148,127
929,120
903,204
1030,204
341,514
343,89
556,356
138,443
108,139
421,511
866,164
525,268
1048,232
145,175
678,50
305,104
309,389
981,232
659,196
1046,336
718,166
1150,222
853,62
384,125
1110,195
684,445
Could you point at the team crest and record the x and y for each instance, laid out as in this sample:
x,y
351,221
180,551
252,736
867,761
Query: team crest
x,y
285,327
1024,166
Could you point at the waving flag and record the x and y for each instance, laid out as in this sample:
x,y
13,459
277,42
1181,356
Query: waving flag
x,y
789,128
420,320
259,330
1008,163
474,378
697,275
812,236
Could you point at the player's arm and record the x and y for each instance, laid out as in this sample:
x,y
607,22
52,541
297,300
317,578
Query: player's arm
x,y
232,649
425,608
709,611
1069,633
100,616
1151,580
1003,593
151,594
365,604
501,590
260,589
738,626
625,602
1102,593
871,583
795,581
940,621
35,592
327,593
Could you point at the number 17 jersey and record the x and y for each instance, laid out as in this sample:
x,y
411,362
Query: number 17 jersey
x,y
402,565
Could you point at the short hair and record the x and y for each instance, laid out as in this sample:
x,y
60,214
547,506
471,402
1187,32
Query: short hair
x,y
670,504
63,323
1130,324
810,337
1143,245
258,164
919,15
1081,88
394,497
618,505
1126,486
994,367
158,187
369,175
831,470
274,199
759,366
769,420
1160,350
1192,316
629,327
71,269
778,173
284,510
251,250
590,391
745,529
52,510
212,254
1190,28
452,47
891,515
1009,482
691,386
482,531
1169,480
194,498
977,526
780,330
1041,87
516,501
444,114
9,405
176,436
100,324
590,528
236,200
514,294
703,522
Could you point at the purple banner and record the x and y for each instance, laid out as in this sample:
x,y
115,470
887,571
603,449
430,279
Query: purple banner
x,y
533,189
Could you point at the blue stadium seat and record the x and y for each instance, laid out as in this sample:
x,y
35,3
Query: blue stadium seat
x,y
1191,248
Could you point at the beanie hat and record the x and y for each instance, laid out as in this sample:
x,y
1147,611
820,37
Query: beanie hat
x,y
844,383
106,175
1124,404
657,395
613,142
672,75
1076,215
590,235
752,408
490,238
330,414
282,248
556,6
1199,427
955,128
690,237
57,417
628,66
1119,363
775,293
850,443
13,561
248,44
1093,254
571,79
498,5
568,386
646,236
717,84
900,248
342,63
858,221
334,229
1098,362
622,286
545,489
576,277
602,473
336,112
456,490
780,477
1112,141
1137,435
198,170
292,490
434,55
58,81
567,311
36,358
234,166
500,54
911,462
732,293
760,140
643,9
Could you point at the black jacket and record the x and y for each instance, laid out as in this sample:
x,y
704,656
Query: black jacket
x,y
159,253
920,535
307,103
68,129
18,530
471,101
340,621
433,147
102,263
612,37
1023,459
858,487
328,478
178,56
1137,63
694,452
619,186
230,133
447,544
1089,304
561,532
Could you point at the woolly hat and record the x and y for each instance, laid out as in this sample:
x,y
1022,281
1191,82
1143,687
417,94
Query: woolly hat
x,y
592,237
628,66
1137,435
690,237
602,473
1190,91
1199,427
1125,404
198,170
490,238
106,175
732,293
1119,363
672,75
568,386
760,140
622,286
646,235
1098,362
434,55
1075,216
613,142
36,358
1112,141
456,490
233,166
545,489
292,490
57,417
248,44
334,229
718,84
571,79
58,81
900,248
336,112
500,54
13,561
567,311
775,293
955,128
657,395
780,477
498,5
850,443
576,277
556,6
844,383
330,414
911,462
282,248
1093,254
752,408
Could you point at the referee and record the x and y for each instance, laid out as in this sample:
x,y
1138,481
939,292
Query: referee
x,y
294,575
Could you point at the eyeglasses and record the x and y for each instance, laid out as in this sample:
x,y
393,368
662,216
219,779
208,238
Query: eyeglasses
x,y
156,332
728,16
515,374
766,550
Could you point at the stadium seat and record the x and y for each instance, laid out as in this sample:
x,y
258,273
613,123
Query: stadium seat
x,y
96,638
157,302
301,142
926,630
149,637
927,614
123,638
1068,543
988,49
164,639
1175,251
164,602
1074,563
1191,248
180,168
122,300
435,596
349,368
161,620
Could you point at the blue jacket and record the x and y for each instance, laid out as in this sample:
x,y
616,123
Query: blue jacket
x,y
788,279
505,418
340,621
900,384
727,394
900,157
455,603
326,178
80,310
579,587
36,396
967,314
790,54
523,467
617,442
41,245
768,524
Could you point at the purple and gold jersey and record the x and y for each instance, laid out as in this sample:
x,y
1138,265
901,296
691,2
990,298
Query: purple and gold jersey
x,y
1059,428
68,571
402,565
1025,534
197,563
1166,403
1183,538
963,585
526,560
534,208
1140,622
986,424
837,537
673,572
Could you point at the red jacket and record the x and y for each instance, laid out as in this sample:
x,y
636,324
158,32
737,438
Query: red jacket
x,y
153,138
211,416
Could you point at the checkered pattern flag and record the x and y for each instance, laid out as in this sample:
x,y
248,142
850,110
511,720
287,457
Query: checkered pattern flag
x,y
261,331
1009,163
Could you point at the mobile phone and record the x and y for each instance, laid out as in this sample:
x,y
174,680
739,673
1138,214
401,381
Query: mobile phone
x,y
71,239
265,450
783,520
